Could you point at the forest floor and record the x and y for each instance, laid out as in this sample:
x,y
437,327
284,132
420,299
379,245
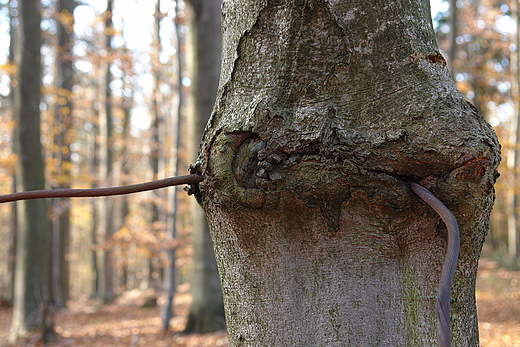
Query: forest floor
x,y
498,305
127,323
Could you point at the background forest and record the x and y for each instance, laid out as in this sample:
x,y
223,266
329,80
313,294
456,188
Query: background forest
x,y
116,78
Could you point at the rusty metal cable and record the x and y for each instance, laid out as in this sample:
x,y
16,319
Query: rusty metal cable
x,y
97,192
450,263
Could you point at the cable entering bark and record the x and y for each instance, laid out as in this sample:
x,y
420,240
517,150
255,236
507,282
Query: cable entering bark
x,y
97,192
450,263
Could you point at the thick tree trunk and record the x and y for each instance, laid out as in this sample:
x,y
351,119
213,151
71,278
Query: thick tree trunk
x,y
325,110
204,51
31,254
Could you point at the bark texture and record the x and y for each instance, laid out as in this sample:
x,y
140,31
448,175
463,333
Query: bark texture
x,y
325,110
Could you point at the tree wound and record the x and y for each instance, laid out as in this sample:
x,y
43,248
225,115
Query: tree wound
x,y
234,169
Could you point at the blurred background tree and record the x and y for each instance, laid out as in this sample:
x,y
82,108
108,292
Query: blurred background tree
x,y
204,51
30,276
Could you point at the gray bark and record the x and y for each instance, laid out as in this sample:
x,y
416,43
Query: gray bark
x,y
325,109
204,52
31,254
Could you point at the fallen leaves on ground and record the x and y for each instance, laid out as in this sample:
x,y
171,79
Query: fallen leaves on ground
x,y
498,305
125,322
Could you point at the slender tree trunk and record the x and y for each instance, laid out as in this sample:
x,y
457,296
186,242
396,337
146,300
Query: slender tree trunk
x,y
454,26
512,152
63,140
105,205
169,271
325,110
13,245
157,122
125,172
14,209
32,251
93,159
204,50
49,312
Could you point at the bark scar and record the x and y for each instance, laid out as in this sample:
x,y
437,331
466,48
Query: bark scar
x,y
223,168
435,58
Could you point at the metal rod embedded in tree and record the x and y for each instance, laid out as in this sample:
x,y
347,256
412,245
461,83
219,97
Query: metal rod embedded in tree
x,y
450,263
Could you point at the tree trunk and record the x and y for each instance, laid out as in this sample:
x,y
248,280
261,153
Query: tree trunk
x,y
13,245
512,152
454,26
14,210
93,162
126,106
31,254
204,51
171,254
63,140
156,153
105,205
325,110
